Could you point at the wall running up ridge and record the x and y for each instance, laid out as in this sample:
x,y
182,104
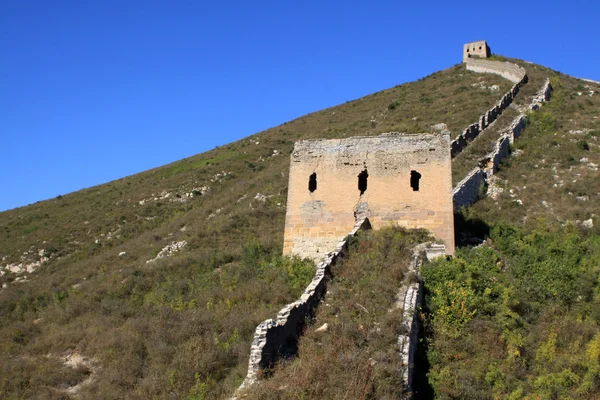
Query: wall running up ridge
x,y
507,70
467,191
275,338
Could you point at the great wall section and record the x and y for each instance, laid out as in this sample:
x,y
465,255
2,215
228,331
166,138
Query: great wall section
x,y
274,338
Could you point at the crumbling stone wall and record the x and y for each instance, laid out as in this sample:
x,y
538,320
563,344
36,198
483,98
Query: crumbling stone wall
x,y
408,183
478,49
472,131
275,338
467,190
542,96
410,299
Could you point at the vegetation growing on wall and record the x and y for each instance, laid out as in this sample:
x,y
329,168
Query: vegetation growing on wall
x,y
357,356
180,326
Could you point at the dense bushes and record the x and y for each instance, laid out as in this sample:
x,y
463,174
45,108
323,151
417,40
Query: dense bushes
x,y
518,319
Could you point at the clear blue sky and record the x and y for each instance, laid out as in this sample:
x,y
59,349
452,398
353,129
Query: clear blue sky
x,y
91,91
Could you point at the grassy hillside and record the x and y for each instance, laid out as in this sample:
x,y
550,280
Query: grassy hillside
x,y
355,356
151,286
554,173
96,317
517,318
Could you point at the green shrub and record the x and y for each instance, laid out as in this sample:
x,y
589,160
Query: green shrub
x,y
583,145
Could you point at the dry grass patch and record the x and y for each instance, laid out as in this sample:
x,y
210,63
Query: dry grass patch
x,y
357,356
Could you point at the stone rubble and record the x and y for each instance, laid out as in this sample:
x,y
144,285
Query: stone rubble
x,y
169,250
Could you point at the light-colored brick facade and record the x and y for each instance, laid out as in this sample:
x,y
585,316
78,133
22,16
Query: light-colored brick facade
x,y
478,49
409,184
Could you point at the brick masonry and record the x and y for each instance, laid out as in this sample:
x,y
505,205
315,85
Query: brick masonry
x,y
509,71
476,49
316,221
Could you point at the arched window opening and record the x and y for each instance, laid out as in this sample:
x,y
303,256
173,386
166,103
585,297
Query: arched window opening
x,y
414,180
312,182
362,181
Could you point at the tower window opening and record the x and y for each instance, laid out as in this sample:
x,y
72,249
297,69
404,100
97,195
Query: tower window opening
x,y
362,181
312,182
414,180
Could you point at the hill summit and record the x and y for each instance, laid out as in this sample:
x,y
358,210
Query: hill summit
x,y
152,286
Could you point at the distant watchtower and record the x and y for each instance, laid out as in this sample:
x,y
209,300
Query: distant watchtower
x,y
478,49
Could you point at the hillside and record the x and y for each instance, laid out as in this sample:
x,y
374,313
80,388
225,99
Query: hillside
x,y
151,286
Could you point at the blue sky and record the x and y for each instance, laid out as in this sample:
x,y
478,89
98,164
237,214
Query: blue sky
x,y
91,91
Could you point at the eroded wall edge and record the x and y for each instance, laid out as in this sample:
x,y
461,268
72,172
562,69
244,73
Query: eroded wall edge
x,y
467,191
409,300
507,70
272,337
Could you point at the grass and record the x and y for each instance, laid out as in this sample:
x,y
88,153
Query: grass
x,y
357,356
181,327
554,173
517,319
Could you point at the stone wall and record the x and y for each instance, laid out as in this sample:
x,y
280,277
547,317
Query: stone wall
x,y
407,179
472,131
542,96
476,49
410,298
501,150
507,70
467,190
276,338
517,126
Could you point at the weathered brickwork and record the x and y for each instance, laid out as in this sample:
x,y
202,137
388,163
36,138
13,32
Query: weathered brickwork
x,y
408,183
476,49
410,299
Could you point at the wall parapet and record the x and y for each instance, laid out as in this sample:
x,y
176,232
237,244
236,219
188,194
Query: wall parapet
x,y
409,300
467,191
507,70
543,95
275,338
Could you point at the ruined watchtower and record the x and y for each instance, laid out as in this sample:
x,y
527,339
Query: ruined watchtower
x,y
478,49
402,179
